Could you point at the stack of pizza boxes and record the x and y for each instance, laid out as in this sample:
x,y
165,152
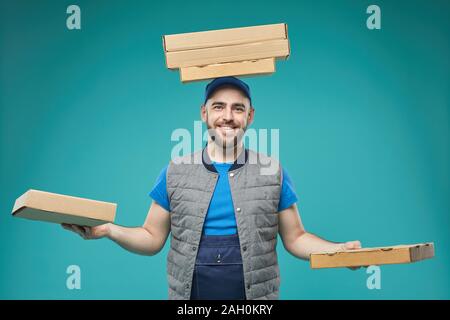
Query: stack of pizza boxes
x,y
246,51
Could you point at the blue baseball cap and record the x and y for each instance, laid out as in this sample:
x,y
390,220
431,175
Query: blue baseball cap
x,y
231,81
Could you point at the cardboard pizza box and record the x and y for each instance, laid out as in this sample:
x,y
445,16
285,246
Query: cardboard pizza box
x,y
241,68
372,256
224,37
58,208
278,48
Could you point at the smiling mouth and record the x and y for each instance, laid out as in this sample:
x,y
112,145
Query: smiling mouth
x,y
227,128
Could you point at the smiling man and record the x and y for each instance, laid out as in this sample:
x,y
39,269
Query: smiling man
x,y
222,212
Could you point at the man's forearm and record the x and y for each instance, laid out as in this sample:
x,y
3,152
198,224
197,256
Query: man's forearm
x,y
137,240
308,243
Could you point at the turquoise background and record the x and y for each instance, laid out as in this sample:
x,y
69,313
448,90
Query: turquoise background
x,y
364,133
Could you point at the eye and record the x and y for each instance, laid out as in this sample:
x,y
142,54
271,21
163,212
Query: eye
x,y
217,107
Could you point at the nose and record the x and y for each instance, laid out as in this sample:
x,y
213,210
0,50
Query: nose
x,y
227,114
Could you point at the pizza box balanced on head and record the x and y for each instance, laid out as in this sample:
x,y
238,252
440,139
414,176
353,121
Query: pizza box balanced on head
x,y
227,52
372,256
58,208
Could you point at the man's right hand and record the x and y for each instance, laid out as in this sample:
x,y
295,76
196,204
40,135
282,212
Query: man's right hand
x,y
89,233
146,240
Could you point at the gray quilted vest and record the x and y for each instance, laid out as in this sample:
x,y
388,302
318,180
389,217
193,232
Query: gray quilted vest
x,y
190,184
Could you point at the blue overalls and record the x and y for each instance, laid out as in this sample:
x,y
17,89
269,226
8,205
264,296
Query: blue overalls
x,y
218,272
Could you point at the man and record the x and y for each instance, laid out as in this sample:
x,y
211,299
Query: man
x,y
223,213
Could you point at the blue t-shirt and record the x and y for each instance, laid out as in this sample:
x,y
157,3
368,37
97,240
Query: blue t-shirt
x,y
220,218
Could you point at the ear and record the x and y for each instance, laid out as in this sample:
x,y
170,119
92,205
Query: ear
x,y
251,116
203,112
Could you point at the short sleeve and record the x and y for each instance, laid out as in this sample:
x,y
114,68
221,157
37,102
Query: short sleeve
x,y
159,191
288,196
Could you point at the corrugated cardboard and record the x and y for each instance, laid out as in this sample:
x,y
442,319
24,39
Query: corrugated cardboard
x,y
242,52
373,256
242,68
224,37
57,208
